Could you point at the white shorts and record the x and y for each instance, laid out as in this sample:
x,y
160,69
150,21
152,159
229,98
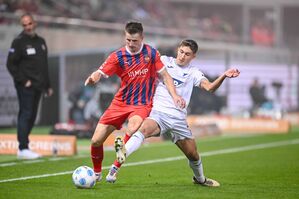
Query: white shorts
x,y
177,127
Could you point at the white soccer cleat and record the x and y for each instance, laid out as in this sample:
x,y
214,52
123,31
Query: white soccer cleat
x,y
98,176
111,176
27,154
208,182
120,149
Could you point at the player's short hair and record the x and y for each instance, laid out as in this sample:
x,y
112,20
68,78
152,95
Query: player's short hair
x,y
190,43
134,27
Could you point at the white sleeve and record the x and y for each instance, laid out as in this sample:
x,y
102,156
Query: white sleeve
x,y
198,76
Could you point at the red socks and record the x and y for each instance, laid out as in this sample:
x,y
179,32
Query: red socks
x,y
126,138
97,156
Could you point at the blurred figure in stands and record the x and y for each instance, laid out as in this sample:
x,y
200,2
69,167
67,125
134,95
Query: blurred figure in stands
x,y
257,94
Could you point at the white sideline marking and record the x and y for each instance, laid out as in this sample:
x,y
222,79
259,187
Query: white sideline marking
x,y
209,153
41,160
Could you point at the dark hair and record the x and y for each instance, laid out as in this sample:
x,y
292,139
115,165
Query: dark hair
x,y
133,27
191,44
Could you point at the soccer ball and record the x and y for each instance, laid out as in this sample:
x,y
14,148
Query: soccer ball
x,y
84,177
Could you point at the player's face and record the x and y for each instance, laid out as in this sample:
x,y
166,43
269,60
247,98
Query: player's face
x,y
184,56
133,42
28,25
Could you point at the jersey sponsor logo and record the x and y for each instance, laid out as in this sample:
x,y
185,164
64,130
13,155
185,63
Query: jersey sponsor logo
x,y
177,82
169,66
141,72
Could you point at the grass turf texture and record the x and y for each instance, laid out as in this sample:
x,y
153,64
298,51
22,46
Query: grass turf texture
x,y
260,173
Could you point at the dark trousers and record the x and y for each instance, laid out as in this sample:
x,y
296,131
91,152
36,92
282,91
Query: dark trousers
x,y
28,106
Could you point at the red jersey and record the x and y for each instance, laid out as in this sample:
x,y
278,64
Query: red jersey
x,y
138,73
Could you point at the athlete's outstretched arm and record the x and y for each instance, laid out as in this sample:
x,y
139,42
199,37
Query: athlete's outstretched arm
x,y
212,86
93,78
168,81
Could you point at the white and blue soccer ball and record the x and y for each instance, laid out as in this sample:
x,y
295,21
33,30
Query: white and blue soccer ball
x,y
84,177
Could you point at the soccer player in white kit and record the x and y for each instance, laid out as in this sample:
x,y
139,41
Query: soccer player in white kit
x,y
165,115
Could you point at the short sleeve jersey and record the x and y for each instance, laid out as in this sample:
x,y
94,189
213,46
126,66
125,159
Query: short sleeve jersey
x,y
185,78
138,74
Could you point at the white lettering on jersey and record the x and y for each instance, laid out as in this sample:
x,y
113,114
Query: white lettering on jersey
x,y
142,72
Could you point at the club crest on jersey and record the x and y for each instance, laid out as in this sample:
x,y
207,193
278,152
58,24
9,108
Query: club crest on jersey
x,y
146,58
177,82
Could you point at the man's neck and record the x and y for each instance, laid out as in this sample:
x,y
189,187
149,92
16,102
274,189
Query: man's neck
x,y
131,53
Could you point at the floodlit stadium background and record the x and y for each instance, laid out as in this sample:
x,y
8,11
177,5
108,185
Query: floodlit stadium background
x,y
81,33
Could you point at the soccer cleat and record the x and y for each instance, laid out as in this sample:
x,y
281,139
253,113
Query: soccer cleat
x,y
111,176
27,154
120,149
208,182
98,176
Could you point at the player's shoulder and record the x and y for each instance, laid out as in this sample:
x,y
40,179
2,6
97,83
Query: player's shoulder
x,y
151,50
149,46
195,70
166,59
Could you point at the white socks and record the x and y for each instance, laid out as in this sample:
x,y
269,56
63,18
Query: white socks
x,y
197,168
134,143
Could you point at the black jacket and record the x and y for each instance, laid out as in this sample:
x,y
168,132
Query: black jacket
x,y
28,60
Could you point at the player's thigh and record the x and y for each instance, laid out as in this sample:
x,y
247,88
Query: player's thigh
x,y
188,147
136,118
149,128
134,123
101,133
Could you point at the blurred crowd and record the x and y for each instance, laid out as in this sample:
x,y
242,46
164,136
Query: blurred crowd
x,y
220,22
163,14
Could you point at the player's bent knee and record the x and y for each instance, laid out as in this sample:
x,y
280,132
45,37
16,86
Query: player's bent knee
x,y
95,142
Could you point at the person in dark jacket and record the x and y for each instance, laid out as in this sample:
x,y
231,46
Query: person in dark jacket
x,y
27,63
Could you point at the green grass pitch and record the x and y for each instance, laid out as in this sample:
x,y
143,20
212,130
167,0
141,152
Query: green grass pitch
x,y
248,166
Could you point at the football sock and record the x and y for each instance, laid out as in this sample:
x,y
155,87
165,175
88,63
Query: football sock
x,y
117,164
134,143
97,156
126,138
197,168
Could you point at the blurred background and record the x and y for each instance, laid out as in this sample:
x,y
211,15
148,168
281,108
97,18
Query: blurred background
x,y
260,38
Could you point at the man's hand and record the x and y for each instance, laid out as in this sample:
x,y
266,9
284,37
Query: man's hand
x,y
28,84
179,102
93,78
231,73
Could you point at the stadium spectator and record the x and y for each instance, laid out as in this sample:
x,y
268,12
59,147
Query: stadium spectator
x,y
137,64
166,116
27,62
257,94
261,34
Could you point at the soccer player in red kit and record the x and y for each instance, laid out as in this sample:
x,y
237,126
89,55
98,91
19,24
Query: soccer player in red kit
x,y
137,65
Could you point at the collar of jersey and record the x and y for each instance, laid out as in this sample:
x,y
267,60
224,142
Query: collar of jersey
x,y
136,52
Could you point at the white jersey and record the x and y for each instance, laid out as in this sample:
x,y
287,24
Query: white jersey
x,y
185,78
